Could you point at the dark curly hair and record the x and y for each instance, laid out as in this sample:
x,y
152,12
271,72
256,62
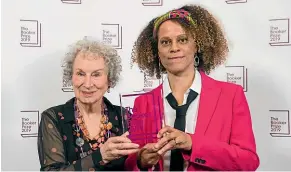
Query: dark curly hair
x,y
207,33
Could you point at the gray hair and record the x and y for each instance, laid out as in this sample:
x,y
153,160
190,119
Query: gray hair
x,y
110,55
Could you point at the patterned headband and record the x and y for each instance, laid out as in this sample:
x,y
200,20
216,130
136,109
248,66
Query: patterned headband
x,y
174,14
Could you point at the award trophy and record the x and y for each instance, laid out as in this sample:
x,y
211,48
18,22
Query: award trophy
x,y
143,115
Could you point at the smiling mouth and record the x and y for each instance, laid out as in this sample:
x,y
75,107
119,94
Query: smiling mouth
x,y
88,94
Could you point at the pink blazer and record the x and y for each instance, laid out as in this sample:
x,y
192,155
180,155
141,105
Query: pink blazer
x,y
223,138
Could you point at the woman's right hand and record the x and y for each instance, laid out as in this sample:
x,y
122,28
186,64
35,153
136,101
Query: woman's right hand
x,y
148,156
116,147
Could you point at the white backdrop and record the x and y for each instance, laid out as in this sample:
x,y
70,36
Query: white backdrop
x,y
35,36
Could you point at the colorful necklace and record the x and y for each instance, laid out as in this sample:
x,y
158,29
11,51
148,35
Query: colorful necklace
x,y
80,125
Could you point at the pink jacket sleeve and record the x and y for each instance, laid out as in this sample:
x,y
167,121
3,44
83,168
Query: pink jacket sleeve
x,y
239,153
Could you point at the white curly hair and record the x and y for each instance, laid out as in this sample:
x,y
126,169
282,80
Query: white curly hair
x,y
110,55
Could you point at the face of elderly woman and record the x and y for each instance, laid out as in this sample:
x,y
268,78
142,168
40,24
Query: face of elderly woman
x,y
90,78
176,48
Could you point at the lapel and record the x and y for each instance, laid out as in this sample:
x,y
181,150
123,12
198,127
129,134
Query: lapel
x,y
114,114
209,97
68,112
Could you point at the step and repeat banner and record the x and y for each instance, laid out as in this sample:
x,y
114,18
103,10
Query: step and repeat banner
x,y
36,34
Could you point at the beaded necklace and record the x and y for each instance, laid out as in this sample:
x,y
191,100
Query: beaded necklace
x,y
80,125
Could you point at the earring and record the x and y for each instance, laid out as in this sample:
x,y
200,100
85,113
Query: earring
x,y
160,64
196,61
108,91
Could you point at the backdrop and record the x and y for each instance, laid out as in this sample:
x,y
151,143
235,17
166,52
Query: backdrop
x,y
35,36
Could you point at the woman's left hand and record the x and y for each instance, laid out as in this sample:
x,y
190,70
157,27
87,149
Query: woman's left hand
x,y
171,138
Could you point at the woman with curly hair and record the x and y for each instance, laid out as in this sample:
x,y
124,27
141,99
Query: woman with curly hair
x,y
85,133
208,122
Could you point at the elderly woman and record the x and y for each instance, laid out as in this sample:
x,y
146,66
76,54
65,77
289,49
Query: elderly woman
x,y
85,133
208,122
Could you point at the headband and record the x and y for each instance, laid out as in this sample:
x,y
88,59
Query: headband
x,y
174,14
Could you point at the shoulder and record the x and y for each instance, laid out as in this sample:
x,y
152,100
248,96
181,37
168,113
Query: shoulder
x,y
117,108
230,87
109,104
227,88
54,111
51,112
112,107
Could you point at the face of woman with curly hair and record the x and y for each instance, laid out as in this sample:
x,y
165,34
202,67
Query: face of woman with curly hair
x,y
90,79
176,48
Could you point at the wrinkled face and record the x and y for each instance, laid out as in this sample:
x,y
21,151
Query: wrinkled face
x,y
176,48
90,77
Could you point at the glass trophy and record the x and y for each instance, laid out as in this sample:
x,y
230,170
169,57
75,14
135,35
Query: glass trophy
x,y
143,115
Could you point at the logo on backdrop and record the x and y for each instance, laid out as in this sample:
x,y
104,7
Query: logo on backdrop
x,y
30,33
237,75
235,1
29,123
280,32
152,2
71,1
67,86
112,35
151,82
280,123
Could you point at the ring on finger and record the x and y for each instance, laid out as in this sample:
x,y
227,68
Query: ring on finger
x,y
176,142
165,134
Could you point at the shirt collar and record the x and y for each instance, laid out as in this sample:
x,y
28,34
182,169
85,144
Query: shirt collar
x,y
196,85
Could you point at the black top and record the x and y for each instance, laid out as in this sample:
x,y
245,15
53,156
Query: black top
x,y
56,142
